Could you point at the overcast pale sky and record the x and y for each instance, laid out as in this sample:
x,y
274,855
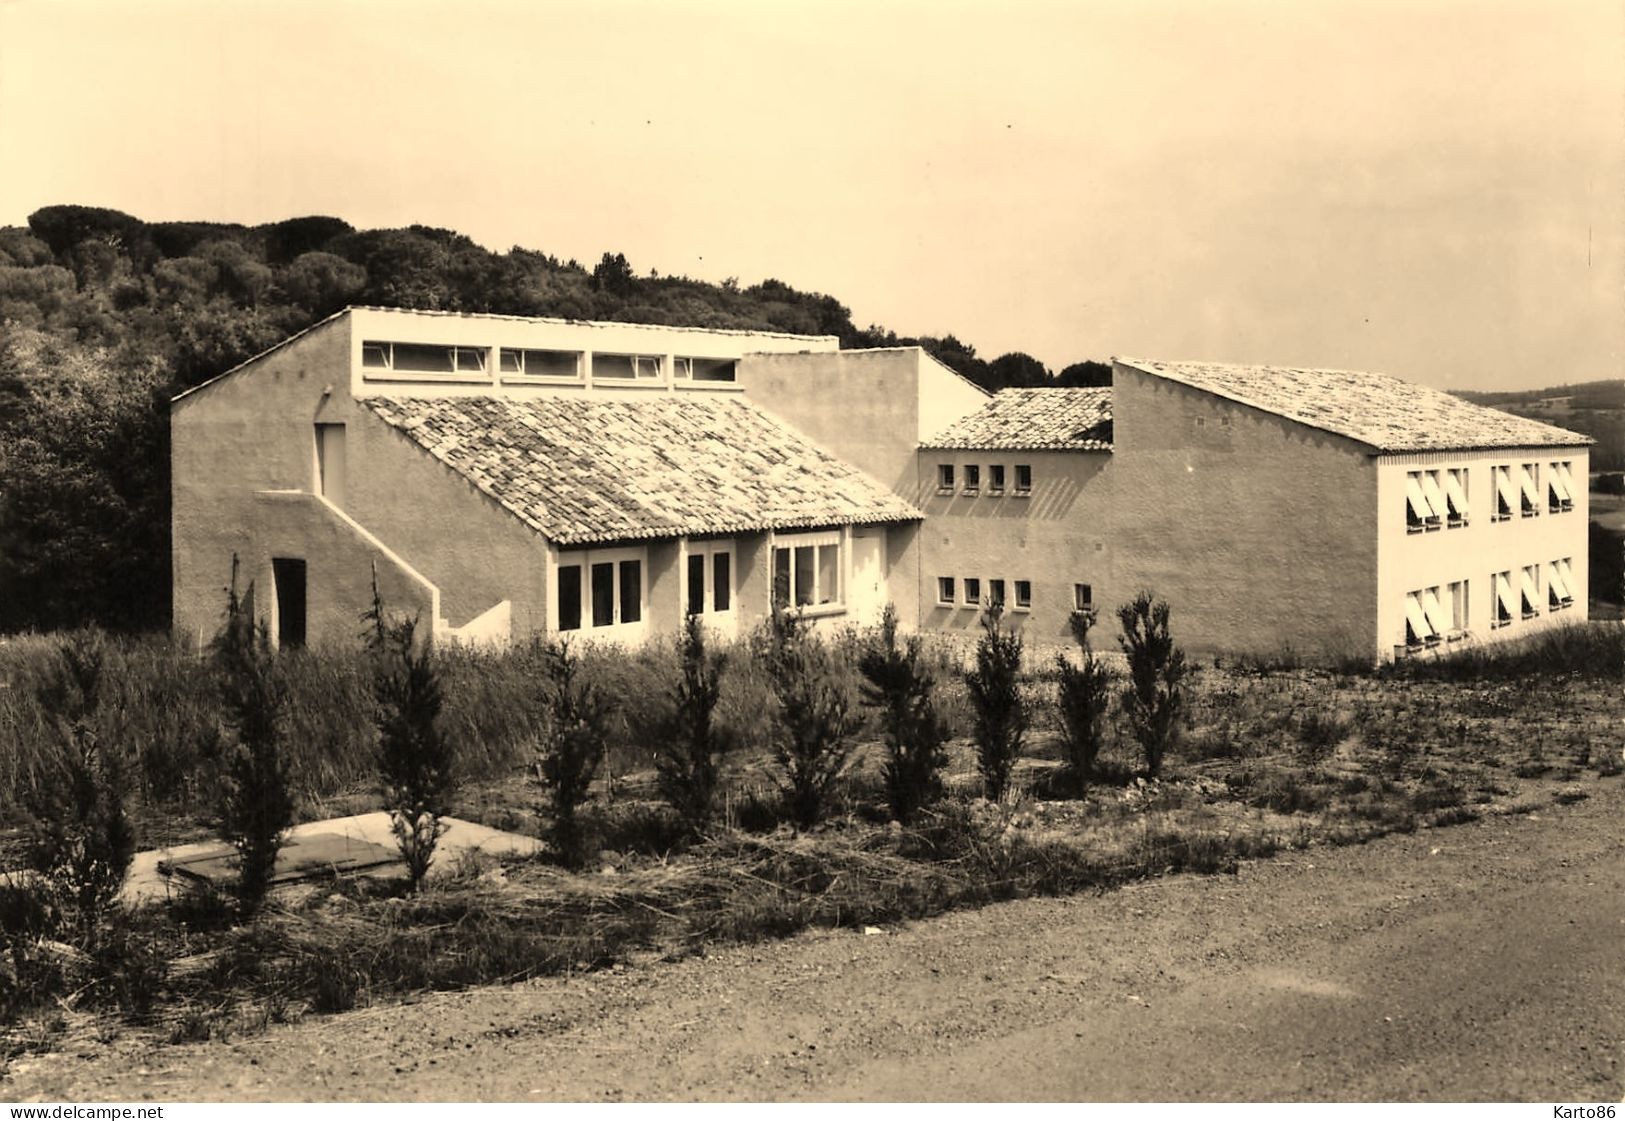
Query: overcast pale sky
x,y
1434,189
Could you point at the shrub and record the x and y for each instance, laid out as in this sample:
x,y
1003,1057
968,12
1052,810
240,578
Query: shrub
x,y
414,756
1000,721
690,761
81,841
1083,693
1155,698
255,806
572,746
898,684
813,715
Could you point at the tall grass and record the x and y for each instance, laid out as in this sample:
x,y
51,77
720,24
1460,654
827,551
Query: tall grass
x,y
1590,651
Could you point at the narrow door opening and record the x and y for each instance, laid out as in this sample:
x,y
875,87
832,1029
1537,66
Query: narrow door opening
x,y
289,575
331,467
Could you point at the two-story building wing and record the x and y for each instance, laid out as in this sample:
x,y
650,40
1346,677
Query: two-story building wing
x,y
1320,511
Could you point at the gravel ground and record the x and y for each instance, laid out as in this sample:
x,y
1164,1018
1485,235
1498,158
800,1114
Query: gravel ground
x,y
1479,962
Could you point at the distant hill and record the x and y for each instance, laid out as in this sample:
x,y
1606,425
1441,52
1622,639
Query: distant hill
x,y
1594,408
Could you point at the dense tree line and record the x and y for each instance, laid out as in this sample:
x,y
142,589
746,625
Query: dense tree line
x,y
103,317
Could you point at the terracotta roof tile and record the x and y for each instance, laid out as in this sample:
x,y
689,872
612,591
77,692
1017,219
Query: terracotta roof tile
x,y
1385,412
597,469
1035,419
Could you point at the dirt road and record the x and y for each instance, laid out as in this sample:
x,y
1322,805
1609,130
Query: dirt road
x,y
1485,961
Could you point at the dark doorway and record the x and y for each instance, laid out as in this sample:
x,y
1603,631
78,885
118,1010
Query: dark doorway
x,y
289,575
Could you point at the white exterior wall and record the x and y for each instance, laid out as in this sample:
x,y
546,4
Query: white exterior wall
x,y
1410,561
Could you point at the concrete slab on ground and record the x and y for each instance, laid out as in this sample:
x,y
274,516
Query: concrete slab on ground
x,y
361,843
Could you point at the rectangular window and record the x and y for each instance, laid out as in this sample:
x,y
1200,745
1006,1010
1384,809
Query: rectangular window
x,y
1458,608
1505,606
423,358
995,478
807,570
1083,597
569,582
1024,478
331,465
1558,494
1425,620
945,478
995,592
973,591
722,581
1455,493
973,479
631,591
1529,489
1506,495
1024,594
696,584
557,364
1424,502
1529,589
603,595
626,367
705,369
946,590
1559,585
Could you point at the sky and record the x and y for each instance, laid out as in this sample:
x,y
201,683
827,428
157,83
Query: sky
x,y
1430,188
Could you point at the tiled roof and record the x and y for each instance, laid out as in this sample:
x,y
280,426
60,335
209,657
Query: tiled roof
x,y
1385,412
596,469
1035,420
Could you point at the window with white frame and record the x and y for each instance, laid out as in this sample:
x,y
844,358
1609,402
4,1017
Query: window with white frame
x,y
995,478
1559,585
628,367
1529,590
995,592
1559,487
1455,497
1024,478
1425,618
708,584
705,369
1457,595
1504,605
1083,597
555,365
807,570
1529,489
1505,493
1024,595
973,479
423,358
599,589
945,478
947,590
973,591
1424,502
